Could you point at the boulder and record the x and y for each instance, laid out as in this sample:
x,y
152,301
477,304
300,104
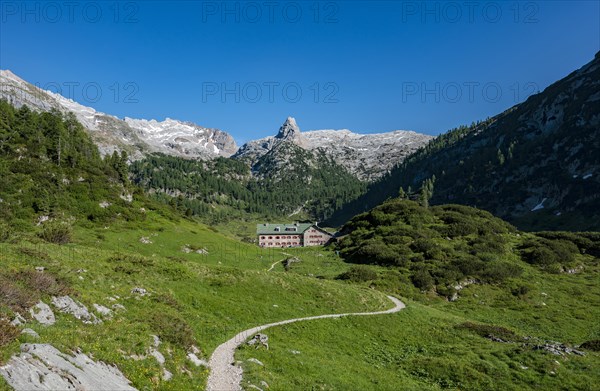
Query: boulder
x,y
18,320
43,314
258,340
197,361
139,291
255,361
67,305
30,332
102,310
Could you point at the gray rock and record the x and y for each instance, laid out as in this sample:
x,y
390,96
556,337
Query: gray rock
x,y
43,367
194,349
102,310
139,291
167,375
255,361
264,384
43,313
40,268
258,340
557,348
18,320
30,332
157,355
197,361
118,307
67,305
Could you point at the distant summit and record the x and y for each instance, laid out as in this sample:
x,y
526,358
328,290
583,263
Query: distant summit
x,y
367,156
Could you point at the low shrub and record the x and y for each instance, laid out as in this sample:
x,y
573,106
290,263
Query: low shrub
x,y
520,290
593,345
16,297
166,299
5,232
171,327
56,232
490,331
8,332
358,274
422,279
43,282
499,271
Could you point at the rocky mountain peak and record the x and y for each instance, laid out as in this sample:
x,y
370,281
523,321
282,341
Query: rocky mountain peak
x,y
289,130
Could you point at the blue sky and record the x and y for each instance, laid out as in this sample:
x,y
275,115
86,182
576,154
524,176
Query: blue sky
x,y
369,66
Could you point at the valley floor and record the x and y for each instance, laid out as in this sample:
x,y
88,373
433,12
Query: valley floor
x,y
203,287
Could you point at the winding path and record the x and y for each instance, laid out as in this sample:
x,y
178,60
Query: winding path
x,y
273,265
226,376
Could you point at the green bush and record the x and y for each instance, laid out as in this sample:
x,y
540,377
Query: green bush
x,y
498,271
547,253
8,332
489,331
172,327
56,232
593,345
358,274
5,232
422,279
520,290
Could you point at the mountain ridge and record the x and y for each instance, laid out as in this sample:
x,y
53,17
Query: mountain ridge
x,y
367,156
136,136
535,165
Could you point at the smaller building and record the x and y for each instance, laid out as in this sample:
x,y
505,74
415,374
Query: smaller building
x,y
291,235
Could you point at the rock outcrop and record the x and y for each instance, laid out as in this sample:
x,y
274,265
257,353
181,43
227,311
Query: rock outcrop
x,y
43,313
67,305
43,367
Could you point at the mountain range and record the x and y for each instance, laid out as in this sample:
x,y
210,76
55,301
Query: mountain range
x,y
367,156
536,165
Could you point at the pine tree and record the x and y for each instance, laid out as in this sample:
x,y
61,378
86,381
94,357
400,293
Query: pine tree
x,y
402,193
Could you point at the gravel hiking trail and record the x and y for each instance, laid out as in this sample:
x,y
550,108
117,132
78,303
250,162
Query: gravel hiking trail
x,y
226,376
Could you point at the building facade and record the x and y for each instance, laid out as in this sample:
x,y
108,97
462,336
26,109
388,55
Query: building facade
x,y
291,235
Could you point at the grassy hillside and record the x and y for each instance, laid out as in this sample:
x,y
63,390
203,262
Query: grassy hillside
x,y
464,328
440,247
194,299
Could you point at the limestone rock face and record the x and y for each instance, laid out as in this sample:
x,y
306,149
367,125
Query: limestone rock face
x,y
43,367
367,156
